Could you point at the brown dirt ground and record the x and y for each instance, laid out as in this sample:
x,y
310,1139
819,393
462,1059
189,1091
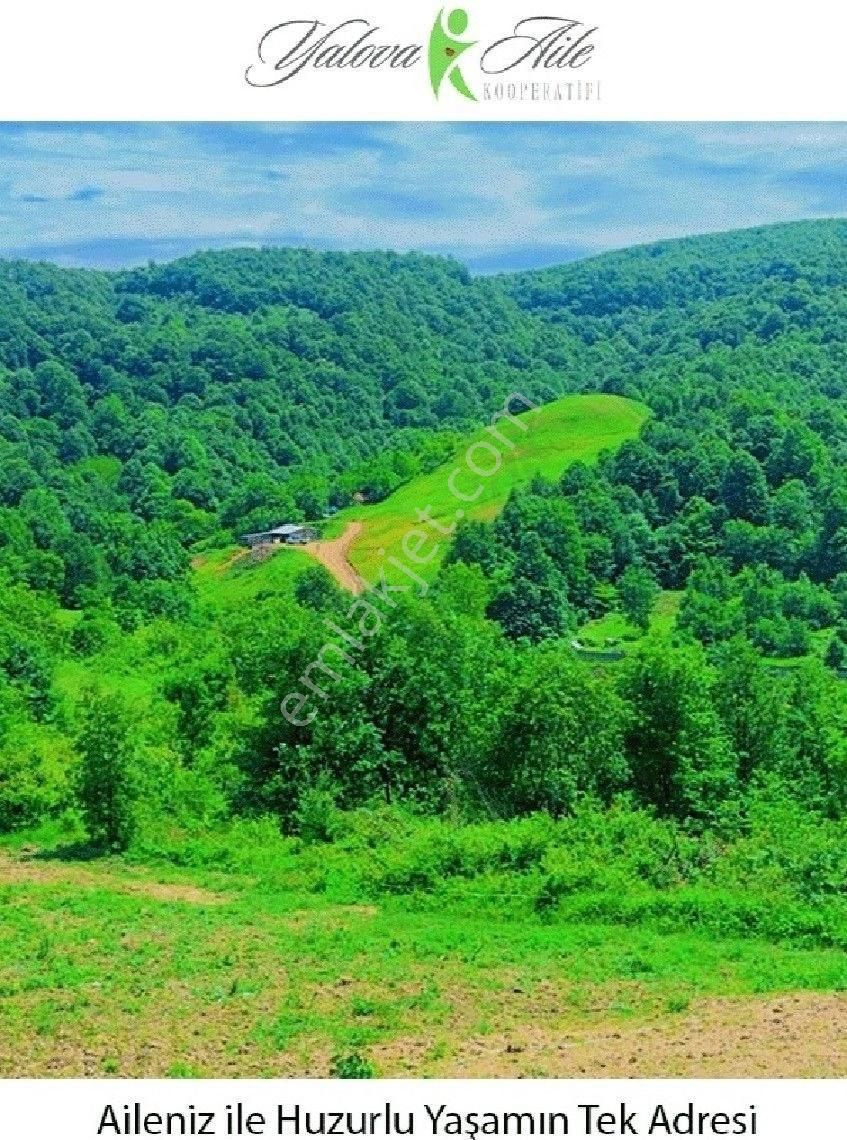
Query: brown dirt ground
x,y
29,870
333,554
791,1035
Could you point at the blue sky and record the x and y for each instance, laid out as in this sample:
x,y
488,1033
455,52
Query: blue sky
x,y
497,196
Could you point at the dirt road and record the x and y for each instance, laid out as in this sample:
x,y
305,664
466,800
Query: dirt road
x,y
333,554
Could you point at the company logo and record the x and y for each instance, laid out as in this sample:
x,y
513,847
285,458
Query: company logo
x,y
445,48
537,60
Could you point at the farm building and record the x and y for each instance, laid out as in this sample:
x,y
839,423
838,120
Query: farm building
x,y
292,534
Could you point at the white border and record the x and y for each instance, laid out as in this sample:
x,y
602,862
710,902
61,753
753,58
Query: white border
x,y
186,60
72,1110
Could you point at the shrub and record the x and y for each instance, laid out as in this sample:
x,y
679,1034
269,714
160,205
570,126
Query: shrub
x,y
353,1066
35,779
108,777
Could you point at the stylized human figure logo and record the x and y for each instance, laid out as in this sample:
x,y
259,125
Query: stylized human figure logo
x,y
445,49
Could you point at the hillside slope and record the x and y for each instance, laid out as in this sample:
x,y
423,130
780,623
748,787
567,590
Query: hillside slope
x,y
685,273
359,824
153,407
545,441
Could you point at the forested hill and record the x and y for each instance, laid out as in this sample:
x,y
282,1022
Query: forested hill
x,y
141,411
148,416
689,272
775,292
290,354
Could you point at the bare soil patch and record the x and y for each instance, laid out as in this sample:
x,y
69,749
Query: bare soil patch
x,y
29,869
790,1035
253,992
333,554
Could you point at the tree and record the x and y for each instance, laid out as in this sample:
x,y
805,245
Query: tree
x,y
200,690
475,543
815,772
744,490
681,757
108,775
750,701
796,455
836,653
316,590
638,591
559,738
534,604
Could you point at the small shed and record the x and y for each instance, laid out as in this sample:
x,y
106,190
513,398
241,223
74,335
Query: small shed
x,y
289,534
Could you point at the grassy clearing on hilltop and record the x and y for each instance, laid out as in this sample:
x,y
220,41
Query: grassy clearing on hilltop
x,y
548,441
614,630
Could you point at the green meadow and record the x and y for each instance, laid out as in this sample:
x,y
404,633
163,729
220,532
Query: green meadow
x,y
409,947
545,441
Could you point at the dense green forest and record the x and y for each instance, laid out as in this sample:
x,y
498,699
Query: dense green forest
x,y
149,416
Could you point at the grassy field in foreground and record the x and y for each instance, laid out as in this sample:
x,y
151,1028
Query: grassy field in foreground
x,y
557,434
281,958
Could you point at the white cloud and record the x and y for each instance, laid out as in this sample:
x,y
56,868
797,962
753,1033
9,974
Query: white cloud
x,y
477,191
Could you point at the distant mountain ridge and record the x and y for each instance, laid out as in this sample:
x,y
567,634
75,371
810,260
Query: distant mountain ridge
x,y
236,388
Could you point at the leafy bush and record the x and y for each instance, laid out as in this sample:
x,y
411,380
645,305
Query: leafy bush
x,y
351,1066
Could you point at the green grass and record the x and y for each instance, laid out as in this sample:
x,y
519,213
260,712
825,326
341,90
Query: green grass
x,y
612,633
132,680
227,577
614,627
248,954
557,435
820,642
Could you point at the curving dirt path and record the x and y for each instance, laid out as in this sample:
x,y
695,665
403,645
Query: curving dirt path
x,y
333,554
